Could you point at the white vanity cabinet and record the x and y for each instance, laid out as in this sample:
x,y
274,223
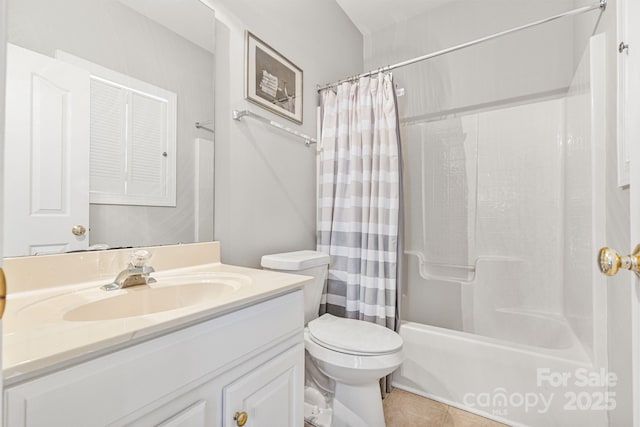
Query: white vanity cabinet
x,y
248,361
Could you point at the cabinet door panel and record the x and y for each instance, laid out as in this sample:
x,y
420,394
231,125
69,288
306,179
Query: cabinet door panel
x,y
271,395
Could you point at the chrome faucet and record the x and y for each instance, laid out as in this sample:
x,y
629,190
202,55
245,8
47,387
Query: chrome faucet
x,y
136,273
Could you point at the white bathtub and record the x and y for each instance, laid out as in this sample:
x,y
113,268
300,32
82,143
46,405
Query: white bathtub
x,y
532,328
512,383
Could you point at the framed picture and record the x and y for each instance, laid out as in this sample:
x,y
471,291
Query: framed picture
x,y
271,80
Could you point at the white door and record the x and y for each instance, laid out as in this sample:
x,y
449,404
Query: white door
x,y
46,201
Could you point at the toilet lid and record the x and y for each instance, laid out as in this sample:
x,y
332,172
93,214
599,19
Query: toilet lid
x,y
353,336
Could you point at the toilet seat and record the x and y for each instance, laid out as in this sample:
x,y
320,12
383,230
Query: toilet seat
x,y
354,337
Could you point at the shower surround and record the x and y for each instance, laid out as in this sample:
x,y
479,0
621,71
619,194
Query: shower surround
x,y
504,212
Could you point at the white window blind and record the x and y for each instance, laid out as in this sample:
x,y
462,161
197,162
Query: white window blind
x,y
148,164
108,117
133,139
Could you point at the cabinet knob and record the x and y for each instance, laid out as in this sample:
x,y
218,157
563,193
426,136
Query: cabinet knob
x,y
241,418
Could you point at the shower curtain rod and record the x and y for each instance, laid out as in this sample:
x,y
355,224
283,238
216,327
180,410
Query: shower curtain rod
x,y
602,5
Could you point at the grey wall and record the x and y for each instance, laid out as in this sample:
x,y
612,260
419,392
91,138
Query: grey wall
x,y
114,36
531,62
619,291
265,179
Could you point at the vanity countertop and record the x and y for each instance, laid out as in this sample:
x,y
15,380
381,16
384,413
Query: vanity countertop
x,y
40,335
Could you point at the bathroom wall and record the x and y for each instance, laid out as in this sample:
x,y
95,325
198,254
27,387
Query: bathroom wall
x,y
531,62
619,288
112,35
265,178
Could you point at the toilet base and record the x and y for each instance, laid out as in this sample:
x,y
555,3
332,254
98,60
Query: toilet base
x,y
358,405
317,410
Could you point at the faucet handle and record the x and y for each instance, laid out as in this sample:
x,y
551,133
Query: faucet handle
x,y
139,258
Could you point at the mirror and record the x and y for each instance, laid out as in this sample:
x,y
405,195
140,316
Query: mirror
x,y
167,45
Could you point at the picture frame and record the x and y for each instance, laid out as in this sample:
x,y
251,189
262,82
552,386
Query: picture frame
x,y
271,80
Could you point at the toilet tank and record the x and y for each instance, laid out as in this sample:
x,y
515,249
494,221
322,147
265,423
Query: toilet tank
x,y
308,263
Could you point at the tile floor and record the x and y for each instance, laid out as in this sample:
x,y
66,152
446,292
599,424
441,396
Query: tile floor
x,y
403,409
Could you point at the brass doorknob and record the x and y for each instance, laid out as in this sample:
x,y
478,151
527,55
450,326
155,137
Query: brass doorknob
x,y
78,230
241,418
610,262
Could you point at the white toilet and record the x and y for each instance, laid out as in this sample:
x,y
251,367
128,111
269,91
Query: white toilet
x,y
354,353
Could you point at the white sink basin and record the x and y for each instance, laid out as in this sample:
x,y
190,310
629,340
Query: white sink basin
x,y
165,294
141,300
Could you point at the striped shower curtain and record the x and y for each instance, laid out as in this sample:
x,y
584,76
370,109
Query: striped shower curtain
x,y
359,199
